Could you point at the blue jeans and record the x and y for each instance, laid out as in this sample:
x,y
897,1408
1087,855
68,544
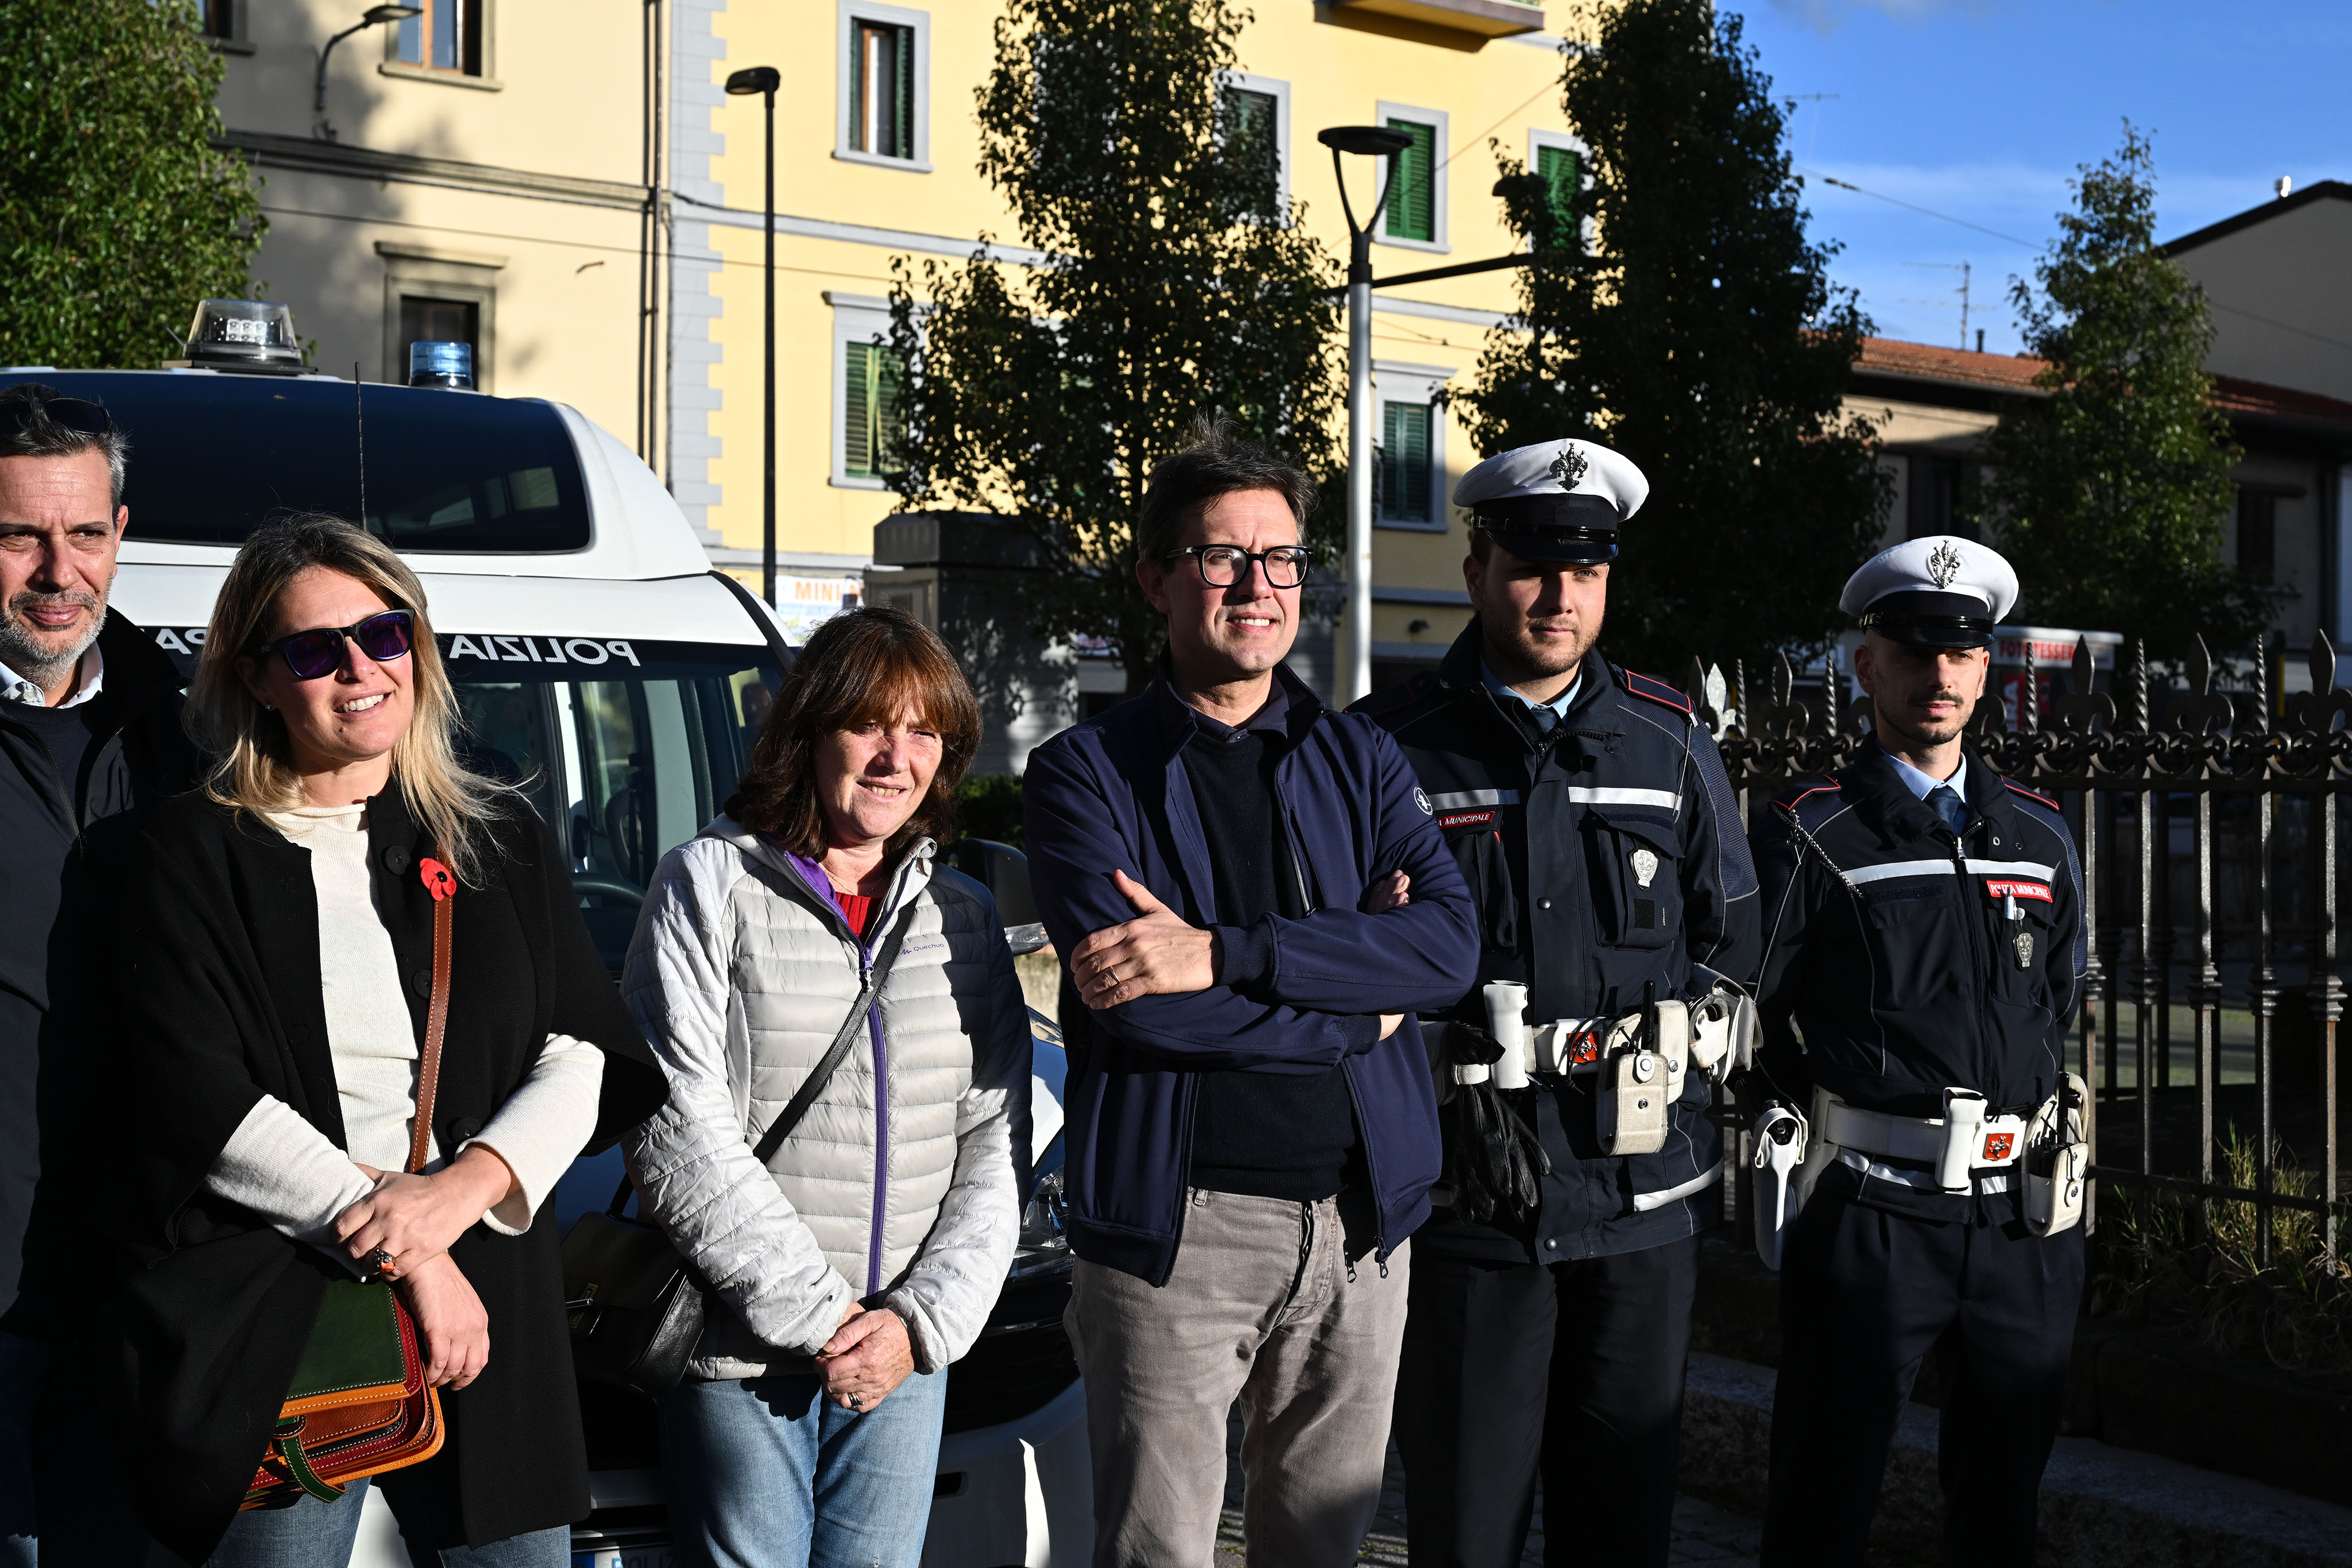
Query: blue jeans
x,y
768,1474
315,1534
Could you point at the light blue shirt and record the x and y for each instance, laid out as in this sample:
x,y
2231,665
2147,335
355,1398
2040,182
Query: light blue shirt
x,y
1920,785
1557,704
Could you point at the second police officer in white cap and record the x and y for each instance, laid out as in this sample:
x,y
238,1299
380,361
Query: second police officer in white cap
x,y
1920,1177
1550,1302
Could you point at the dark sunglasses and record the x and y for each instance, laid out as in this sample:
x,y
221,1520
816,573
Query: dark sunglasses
x,y
74,413
318,651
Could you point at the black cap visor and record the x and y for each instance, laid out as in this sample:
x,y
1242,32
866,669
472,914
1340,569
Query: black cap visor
x,y
1567,530
1576,547
1930,620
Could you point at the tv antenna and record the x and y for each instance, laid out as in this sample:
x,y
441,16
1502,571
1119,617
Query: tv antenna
x,y
1962,268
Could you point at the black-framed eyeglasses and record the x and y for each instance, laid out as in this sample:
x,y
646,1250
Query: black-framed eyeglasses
x,y
75,413
1222,565
318,651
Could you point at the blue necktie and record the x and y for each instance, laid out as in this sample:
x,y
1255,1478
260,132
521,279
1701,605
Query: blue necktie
x,y
1949,806
1544,717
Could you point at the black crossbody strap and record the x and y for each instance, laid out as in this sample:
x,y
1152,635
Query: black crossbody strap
x,y
814,1084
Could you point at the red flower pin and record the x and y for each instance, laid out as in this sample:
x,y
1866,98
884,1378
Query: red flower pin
x,y
438,880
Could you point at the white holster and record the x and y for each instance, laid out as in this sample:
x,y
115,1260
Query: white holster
x,y
1781,1135
2057,1158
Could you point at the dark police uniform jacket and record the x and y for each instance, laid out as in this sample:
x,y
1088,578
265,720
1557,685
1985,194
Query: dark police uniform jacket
x,y
1889,949
1545,830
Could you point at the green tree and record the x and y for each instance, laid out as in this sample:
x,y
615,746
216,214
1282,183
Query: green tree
x,y
1172,284
2108,494
1702,339
119,214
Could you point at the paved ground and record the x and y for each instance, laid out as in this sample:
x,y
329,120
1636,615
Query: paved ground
x,y
1702,1534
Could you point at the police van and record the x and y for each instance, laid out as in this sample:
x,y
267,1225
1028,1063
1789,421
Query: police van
x,y
604,666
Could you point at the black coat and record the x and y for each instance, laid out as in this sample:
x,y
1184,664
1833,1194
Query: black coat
x,y
139,753
1890,948
217,949
1543,828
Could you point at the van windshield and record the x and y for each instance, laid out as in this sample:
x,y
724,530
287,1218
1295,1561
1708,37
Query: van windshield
x,y
213,455
626,748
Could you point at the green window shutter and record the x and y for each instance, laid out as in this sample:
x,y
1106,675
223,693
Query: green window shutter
x,y
1413,184
1252,128
1562,170
1404,462
857,414
904,128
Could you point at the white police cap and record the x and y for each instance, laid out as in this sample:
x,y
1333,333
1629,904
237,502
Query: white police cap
x,y
1939,592
1554,501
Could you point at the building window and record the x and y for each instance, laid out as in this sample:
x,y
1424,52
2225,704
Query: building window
x,y
1254,123
883,81
216,18
2257,532
882,88
447,37
1404,462
427,320
872,421
1932,506
1414,212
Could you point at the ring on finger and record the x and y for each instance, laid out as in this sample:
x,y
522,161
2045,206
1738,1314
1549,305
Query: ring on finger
x,y
380,1262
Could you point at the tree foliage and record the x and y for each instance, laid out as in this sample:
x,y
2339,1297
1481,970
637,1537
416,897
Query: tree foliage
x,y
118,213
2108,494
1172,284
1703,340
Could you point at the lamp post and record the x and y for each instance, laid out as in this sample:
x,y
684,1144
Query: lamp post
x,y
368,18
1355,671
764,80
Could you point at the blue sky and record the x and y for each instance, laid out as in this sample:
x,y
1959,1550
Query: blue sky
x,y
1983,108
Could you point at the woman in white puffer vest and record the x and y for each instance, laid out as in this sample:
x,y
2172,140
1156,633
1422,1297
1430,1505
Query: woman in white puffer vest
x,y
865,1255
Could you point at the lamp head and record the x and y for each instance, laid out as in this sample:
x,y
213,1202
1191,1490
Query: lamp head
x,y
375,14
754,79
1371,140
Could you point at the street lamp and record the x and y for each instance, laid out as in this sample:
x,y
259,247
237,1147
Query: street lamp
x,y
765,80
368,18
1372,141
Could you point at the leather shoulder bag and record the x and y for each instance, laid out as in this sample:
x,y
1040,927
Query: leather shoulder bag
x,y
636,1305
359,1404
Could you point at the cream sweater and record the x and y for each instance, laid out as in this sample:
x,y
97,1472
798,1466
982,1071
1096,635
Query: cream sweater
x,y
283,1168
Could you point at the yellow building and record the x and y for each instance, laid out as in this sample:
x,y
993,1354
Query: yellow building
x,y
875,149
480,171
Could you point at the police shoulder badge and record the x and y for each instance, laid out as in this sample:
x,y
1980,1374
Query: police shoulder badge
x,y
1570,466
1645,866
1944,564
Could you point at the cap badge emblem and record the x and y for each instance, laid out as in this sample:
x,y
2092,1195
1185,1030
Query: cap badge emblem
x,y
1944,564
1645,866
1570,466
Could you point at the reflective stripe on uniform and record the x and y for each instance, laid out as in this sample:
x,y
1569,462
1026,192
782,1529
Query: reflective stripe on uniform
x,y
1455,799
1945,868
1583,796
1645,1201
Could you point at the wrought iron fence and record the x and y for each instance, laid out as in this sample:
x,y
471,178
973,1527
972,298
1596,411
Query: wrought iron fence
x,y
2238,928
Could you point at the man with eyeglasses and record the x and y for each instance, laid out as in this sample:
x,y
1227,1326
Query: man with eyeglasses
x,y
1252,903
1587,806
89,728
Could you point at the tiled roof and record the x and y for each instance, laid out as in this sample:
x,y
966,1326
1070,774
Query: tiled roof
x,y
2258,400
1957,367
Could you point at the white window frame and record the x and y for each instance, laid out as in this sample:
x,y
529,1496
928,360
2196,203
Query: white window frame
x,y
856,318
1395,380
845,75
1441,150
1279,90
1536,140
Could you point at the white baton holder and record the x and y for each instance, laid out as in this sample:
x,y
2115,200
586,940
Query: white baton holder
x,y
2057,1159
1776,1195
1964,1114
1507,1020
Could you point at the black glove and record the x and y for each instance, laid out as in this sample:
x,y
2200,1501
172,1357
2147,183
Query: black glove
x,y
1496,1160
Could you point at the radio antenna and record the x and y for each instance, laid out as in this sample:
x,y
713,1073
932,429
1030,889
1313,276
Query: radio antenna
x,y
359,429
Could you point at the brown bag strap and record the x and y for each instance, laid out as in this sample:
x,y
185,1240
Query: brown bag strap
x,y
437,1019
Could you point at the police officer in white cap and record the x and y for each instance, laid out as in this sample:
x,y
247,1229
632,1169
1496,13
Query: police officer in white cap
x,y
1550,1302
1921,1165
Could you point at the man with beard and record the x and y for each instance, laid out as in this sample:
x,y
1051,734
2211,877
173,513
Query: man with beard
x,y
1922,1174
89,727
1550,1306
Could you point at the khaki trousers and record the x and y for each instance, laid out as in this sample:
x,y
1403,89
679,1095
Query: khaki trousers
x,y
1264,1305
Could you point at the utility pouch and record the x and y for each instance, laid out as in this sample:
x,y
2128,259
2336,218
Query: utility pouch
x,y
1964,1114
1725,1030
1776,1196
1632,1104
2057,1157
